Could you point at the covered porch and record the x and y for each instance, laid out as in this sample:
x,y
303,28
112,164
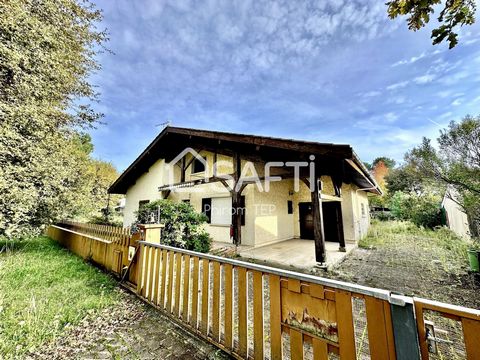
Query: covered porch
x,y
296,253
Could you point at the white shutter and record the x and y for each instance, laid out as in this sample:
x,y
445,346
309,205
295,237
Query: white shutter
x,y
221,211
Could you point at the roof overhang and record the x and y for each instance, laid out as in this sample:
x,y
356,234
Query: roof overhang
x,y
172,140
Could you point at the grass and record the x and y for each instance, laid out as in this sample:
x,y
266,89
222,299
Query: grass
x,y
450,248
44,289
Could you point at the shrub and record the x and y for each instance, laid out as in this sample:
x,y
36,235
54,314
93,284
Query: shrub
x,y
422,210
183,225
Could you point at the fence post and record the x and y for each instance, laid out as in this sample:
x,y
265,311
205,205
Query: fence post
x,y
151,232
405,329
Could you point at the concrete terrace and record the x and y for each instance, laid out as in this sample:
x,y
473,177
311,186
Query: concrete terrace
x,y
296,253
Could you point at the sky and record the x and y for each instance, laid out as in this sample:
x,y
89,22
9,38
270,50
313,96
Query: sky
x,y
330,71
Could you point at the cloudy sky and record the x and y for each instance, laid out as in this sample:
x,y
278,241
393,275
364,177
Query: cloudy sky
x,y
327,71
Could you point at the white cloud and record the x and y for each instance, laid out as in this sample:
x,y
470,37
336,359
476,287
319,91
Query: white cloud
x,y
398,85
372,93
412,60
424,79
391,117
456,102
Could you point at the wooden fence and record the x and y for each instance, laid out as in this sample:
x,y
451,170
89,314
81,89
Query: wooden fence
x,y
254,311
115,234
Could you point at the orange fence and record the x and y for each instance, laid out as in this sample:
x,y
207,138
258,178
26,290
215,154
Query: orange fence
x,y
254,311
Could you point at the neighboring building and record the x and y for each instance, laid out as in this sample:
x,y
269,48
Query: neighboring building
x,y
120,206
456,218
339,201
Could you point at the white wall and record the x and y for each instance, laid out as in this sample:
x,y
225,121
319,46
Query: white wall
x,y
457,219
145,188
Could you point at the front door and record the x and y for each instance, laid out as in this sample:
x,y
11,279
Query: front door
x,y
331,220
306,220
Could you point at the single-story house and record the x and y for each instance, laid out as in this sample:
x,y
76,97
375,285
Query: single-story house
x,y
255,190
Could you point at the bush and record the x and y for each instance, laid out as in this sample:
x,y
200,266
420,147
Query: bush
x,y
183,225
423,210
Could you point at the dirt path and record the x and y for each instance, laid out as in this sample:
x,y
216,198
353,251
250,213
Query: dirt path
x,y
131,330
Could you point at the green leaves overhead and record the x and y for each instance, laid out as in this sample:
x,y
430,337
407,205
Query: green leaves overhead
x,y
455,13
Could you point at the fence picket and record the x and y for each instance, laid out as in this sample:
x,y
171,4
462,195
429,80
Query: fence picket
x,y
275,317
205,297
228,306
216,302
194,317
242,310
186,284
178,281
258,315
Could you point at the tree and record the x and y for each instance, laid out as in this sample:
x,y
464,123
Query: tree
x,y
380,168
389,162
456,163
455,13
405,179
47,52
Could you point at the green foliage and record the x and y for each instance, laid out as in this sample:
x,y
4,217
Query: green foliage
x,y
453,15
183,225
404,179
420,209
44,289
456,163
47,52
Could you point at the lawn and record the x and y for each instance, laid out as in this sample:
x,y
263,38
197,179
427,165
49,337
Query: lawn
x,y
401,257
45,290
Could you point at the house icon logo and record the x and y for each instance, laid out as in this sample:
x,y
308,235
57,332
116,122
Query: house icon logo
x,y
180,161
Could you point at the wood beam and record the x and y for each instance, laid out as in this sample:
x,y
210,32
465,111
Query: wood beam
x,y
341,235
236,202
318,231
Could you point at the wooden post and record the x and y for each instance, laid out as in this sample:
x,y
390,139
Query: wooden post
x,y
337,185
318,232
152,232
341,235
236,202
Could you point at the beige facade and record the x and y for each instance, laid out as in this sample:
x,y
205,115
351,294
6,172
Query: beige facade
x,y
267,217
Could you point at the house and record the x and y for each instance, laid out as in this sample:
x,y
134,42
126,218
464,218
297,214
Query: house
x,y
455,217
255,190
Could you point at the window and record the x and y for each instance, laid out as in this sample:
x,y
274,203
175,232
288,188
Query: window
x,y
207,209
221,211
186,201
142,203
198,166
290,206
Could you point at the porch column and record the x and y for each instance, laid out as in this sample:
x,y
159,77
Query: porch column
x,y
337,186
341,236
236,202
318,233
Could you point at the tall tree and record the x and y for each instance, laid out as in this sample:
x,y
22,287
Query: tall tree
x,y
453,14
47,52
456,163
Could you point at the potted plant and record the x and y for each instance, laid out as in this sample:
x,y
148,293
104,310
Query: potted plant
x,y
474,256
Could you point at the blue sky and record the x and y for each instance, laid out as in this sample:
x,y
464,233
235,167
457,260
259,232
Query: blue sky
x,y
327,71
